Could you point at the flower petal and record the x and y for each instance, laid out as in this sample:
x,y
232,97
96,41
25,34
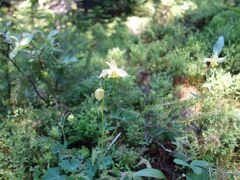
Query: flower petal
x,y
109,64
122,73
104,73
207,60
220,60
112,64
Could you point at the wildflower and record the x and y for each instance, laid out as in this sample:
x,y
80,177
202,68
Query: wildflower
x,y
217,48
214,61
99,94
113,71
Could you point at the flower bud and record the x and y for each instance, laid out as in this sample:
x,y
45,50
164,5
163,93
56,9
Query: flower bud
x,y
70,117
99,94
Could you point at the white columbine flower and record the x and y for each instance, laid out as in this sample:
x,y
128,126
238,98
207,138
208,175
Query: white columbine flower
x,y
214,60
217,48
113,71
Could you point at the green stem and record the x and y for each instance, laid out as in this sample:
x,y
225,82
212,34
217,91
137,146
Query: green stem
x,y
63,131
64,136
103,122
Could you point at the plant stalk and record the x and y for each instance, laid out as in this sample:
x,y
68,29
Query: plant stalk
x,y
103,122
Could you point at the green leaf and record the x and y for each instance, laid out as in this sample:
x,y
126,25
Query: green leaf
x,y
149,172
14,38
191,176
13,53
107,161
199,163
69,59
52,34
180,162
91,170
53,174
196,170
26,39
70,165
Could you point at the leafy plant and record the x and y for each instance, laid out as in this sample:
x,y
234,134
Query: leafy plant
x,y
197,166
51,55
53,173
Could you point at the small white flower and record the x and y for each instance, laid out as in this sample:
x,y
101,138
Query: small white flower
x,y
113,71
214,60
217,48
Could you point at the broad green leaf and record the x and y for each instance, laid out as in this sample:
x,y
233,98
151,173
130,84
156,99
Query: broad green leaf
x,y
26,39
14,38
81,177
53,174
180,162
149,172
192,176
8,24
13,53
199,163
91,170
127,175
218,46
52,34
69,59
196,170
107,161
70,165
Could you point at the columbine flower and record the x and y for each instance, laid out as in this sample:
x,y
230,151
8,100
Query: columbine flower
x,y
214,60
217,48
99,94
113,71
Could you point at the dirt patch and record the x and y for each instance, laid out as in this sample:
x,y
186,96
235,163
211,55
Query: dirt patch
x,y
163,161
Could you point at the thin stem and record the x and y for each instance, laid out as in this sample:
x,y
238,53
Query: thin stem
x,y
62,124
24,75
29,80
103,131
64,136
103,121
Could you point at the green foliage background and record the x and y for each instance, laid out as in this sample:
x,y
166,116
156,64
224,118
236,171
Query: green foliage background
x,y
55,75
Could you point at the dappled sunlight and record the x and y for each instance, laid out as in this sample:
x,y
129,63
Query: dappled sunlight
x,y
170,10
137,25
